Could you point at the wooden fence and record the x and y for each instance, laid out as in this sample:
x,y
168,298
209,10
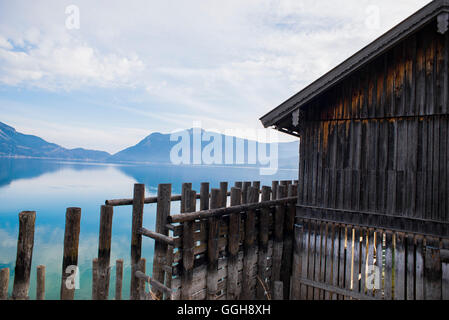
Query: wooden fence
x,y
213,253
252,242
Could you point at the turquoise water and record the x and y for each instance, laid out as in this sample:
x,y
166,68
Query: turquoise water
x,y
49,187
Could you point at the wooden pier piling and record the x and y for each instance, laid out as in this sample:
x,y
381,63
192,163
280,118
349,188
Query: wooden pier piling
x,y
250,258
160,248
25,244
40,283
104,251
70,259
136,237
118,279
287,251
224,194
95,279
212,245
188,255
4,283
262,284
278,236
233,246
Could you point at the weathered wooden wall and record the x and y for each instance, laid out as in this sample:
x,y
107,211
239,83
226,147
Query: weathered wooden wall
x,y
377,142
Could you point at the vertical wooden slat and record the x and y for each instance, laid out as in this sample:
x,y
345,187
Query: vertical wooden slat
x,y
388,288
40,283
298,247
399,266
104,251
188,244
233,246
278,236
379,264
25,244
318,258
287,252
71,241
325,265
348,272
357,260
335,258
432,270
118,279
419,268
160,248
278,291
342,258
445,270
4,283
410,267
305,258
328,266
263,245
311,258
212,246
249,257
136,237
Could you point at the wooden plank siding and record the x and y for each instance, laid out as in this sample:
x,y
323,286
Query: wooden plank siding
x,y
377,142
373,178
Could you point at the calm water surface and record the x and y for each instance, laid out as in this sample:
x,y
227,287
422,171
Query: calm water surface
x,y
49,187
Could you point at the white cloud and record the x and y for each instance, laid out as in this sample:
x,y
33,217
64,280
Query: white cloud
x,y
231,61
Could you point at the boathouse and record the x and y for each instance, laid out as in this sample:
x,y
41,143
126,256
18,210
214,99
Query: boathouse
x,y
374,130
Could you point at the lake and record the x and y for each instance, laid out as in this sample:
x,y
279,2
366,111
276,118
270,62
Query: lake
x,y
49,187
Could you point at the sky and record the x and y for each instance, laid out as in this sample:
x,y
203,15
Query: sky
x,y
104,74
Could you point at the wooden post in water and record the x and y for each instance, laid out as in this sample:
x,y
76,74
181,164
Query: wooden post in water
x,y
212,245
160,248
4,283
185,189
70,259
274,190
188,243
40,283
204,196
263,245
278,237
169,272
238,185
142,267
95,279
118,279
249,257
224,194
246,186
25,244
233,246
256,184
287,252
136,238
104,252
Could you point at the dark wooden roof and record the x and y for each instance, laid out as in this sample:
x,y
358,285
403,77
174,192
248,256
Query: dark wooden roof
x,y
387,41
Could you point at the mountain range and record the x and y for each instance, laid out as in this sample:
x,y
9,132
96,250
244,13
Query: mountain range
x,y
154,149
